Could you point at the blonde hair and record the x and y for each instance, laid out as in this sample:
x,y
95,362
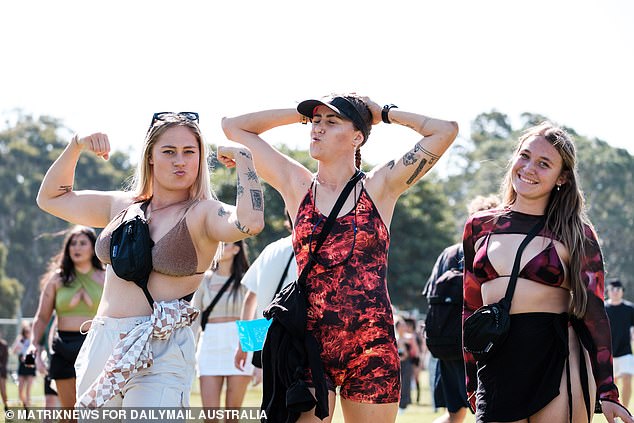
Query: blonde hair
x,y
480,203
565,212
141,184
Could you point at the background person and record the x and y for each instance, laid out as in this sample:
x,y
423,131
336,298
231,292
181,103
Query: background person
x,y
621,315
4,362
407,351
171,190
542,371
72,289
261,281
448,387
348,303
26,374
214,355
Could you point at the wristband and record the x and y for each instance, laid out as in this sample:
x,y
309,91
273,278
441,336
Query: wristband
x,y
384,113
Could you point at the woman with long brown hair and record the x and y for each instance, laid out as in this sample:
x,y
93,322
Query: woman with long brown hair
x,y
557,358
221,288
72,289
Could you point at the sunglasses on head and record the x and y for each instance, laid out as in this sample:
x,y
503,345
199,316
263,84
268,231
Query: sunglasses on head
x,y
191,116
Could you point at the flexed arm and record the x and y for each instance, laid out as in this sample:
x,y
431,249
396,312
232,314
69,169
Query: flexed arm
x,y
56,195
247,217
274,167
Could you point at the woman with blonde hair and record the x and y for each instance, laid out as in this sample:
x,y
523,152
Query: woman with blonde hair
x,y
557,357
153,364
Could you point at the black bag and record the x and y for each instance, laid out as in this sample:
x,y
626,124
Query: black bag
x,y
487,328
443,323
204,316
131,252
289,348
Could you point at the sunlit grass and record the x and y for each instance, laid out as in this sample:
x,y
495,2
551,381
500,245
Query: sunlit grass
x,y
415,413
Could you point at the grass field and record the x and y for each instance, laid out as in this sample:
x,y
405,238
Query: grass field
x,y
415,413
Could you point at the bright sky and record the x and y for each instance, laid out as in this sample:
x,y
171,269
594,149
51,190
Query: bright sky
x,y
107,66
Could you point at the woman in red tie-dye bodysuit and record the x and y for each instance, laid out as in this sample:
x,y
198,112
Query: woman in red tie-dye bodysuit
x,y
349,310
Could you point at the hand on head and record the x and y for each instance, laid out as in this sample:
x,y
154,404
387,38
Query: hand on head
x,y
374,108
98,143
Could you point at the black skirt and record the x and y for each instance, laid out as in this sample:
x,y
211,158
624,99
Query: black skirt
x,y
66,346
525,374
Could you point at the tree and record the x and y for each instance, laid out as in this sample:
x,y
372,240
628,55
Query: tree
x,y
10,288
27,149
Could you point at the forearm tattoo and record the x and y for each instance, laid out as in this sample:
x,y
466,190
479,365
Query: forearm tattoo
x,y
256,199
418,170
242,228
391,164
245,154
66,188
409,158
430,159
223,212
251,175
239,188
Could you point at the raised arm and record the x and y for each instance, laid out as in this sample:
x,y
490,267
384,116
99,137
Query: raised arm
x,y
228,223
56,195
396,176
279,170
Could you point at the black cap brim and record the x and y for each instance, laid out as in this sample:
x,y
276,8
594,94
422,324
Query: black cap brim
x,y
307,107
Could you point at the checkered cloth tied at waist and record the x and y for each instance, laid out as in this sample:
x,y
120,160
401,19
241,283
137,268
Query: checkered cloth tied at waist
x,y
133,352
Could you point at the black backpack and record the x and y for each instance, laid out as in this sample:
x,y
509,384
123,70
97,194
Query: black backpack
x,y
443,324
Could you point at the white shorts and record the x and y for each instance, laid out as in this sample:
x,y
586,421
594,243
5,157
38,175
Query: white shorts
x,y
166,383
216,351
623,365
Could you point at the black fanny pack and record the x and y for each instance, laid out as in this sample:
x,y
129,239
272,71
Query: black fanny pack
x,y
131,251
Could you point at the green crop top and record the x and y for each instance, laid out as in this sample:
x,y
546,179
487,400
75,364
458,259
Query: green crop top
x,y
66,293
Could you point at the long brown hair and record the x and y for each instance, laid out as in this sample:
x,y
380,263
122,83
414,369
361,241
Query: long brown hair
x,y
141,184
565,212
62,263
239,265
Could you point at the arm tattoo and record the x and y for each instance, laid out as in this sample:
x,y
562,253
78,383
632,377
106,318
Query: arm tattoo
x,y
245,154
66,188
418,170
256,199
391,164
242,228
433,156
222,212
239,188
409,158
251,175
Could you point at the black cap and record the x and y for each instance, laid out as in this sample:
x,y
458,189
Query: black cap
x,y
343,107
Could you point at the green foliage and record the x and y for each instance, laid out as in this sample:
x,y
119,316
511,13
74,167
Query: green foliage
x,y
422,226
10,288
27,149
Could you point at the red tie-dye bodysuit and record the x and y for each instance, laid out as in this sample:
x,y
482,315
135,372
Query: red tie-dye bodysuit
x,y
349,309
